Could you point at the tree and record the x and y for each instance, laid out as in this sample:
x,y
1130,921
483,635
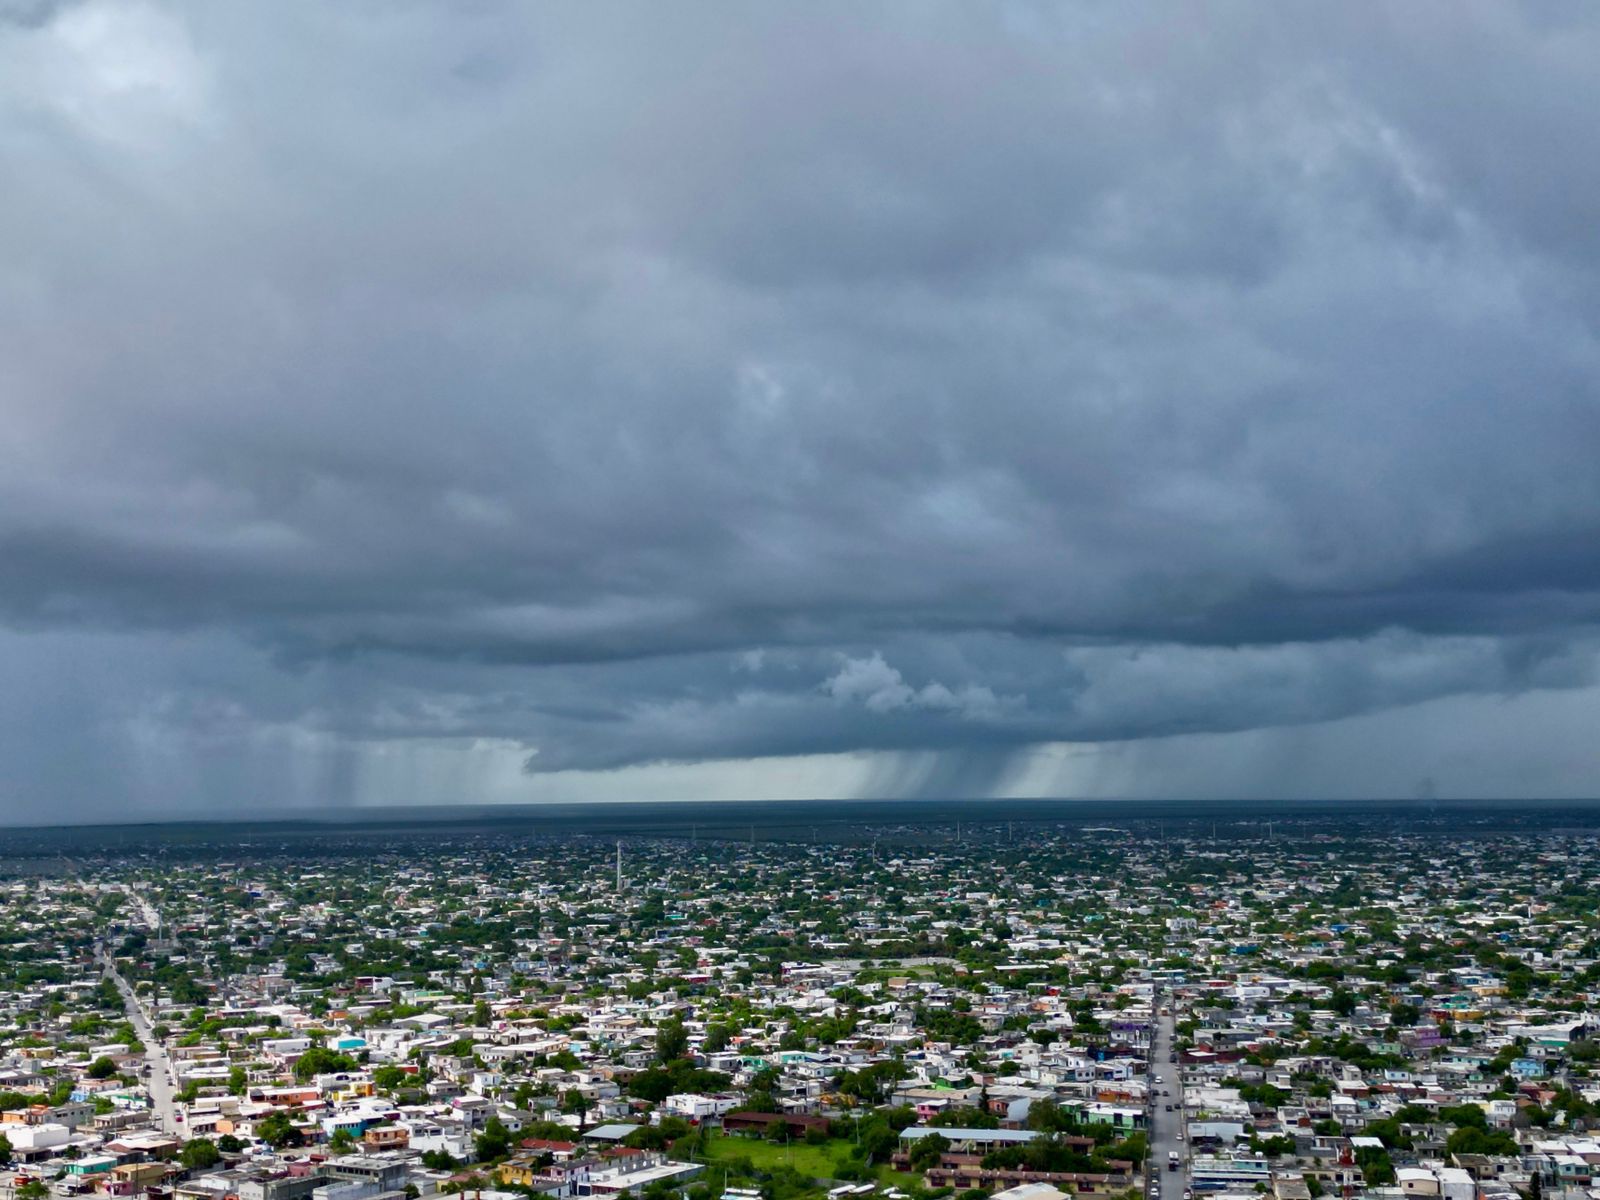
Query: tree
x,y
319,1060
1471,1140
389,1077
342,1140
278,1131
1377,1169
1045,1116
966,1118
575,1103
102,1068
877,1140
927,1151
5,1149
199,1154
672,1040
229,1144
494,1142
647,1137
34,1189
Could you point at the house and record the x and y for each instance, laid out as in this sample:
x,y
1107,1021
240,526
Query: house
x,y
697,1108
740,1121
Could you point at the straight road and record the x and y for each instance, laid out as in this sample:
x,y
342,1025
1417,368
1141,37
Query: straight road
x,y
159,1080
1166,1128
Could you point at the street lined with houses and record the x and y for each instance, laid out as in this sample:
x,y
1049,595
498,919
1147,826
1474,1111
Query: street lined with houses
x,y
1099,1015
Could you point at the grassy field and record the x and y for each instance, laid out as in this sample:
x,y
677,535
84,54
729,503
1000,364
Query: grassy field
x,y
819,1162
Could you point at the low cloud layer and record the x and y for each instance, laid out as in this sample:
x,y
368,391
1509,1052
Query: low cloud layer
x,y
669,393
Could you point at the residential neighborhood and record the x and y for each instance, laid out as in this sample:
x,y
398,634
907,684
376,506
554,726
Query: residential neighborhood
x,y
1122,1012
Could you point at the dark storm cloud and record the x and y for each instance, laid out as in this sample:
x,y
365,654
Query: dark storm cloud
x,y
638,385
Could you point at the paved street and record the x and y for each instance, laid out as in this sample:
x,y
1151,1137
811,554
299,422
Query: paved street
x,y
1166,1127
159,1079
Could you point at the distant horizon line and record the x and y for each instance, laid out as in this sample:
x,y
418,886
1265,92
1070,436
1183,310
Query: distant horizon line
x,y
976,810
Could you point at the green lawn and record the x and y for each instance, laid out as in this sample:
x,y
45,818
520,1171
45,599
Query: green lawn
x,y
819,1162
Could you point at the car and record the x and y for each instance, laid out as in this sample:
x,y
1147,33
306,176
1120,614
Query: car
x,y
1169,1108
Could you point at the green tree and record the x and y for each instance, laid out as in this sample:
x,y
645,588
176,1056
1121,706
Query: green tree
x,y
878,1140
1404,1014
494,1142
102,1068
319,1060
199,1154
1377,1169
926,1151
389,1077
278,1131
575,1103
672,1040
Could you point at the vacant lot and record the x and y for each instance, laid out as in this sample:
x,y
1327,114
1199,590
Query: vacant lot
x,y
819,1162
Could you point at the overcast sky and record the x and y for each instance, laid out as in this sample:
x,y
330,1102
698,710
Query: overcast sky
x,y
417,403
